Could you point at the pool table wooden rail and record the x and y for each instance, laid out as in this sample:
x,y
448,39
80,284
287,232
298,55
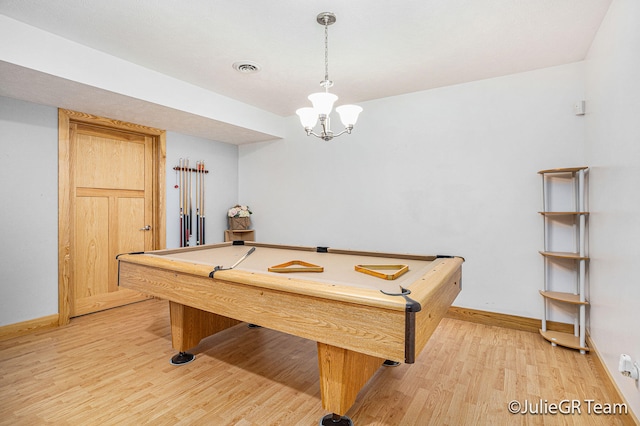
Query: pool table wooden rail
x,y
306,287
358,319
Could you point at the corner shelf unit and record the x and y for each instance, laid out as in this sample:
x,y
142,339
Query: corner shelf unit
x,y
573,300
239,235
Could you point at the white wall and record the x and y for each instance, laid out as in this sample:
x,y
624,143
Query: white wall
x,y
221,184
29,203
613,152
28,229
444,171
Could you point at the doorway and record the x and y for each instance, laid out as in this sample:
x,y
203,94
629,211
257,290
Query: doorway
x,y
111,186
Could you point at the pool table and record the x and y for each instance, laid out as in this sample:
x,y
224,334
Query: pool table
x,y
362,308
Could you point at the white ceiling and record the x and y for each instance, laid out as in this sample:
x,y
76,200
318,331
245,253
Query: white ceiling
x,y
376,48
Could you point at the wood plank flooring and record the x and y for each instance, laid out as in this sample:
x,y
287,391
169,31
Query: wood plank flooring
x,y
112,368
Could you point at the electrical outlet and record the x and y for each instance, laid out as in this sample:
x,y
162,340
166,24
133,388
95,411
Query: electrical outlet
x,y
628,368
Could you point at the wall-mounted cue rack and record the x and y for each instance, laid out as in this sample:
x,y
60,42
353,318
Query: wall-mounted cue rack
x,y
184,182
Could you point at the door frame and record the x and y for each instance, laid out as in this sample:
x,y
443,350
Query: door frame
x,y
65,118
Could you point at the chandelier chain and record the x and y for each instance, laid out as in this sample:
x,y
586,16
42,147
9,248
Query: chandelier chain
x,y
326,51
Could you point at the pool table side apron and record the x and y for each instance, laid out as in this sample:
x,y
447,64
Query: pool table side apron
x,y
368,329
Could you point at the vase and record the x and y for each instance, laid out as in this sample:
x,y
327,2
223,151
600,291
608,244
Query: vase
x,y
239,223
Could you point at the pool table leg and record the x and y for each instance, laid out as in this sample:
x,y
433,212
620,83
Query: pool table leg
x,y
342,374
190,325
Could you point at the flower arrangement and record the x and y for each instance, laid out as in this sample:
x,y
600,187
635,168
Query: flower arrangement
x,y
239,217
239,211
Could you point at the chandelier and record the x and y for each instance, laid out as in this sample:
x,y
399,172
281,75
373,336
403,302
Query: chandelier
x,y
323,101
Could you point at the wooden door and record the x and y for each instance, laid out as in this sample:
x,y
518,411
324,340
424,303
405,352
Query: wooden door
x,y
112,208
112,212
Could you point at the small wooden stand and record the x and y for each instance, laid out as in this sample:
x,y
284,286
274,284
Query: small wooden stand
x,y
239,235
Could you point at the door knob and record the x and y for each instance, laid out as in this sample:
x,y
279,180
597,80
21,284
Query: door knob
x,y
146,228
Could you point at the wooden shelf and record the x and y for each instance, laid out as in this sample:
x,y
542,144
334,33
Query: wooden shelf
x,y
563,170
563,213
567,340
240,235
563,255
554,224
571,298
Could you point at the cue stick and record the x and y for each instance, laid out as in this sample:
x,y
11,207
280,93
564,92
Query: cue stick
x,y
202,202
184,212
199,200
187,201
190,206
185,234
198,203
181,211
184,201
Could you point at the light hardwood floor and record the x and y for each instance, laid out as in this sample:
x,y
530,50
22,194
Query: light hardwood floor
x,y
112,368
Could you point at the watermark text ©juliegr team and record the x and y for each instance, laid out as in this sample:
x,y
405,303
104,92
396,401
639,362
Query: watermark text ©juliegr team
x,y
566,406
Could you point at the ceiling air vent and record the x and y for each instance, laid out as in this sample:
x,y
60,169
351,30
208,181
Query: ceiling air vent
x,y
246,67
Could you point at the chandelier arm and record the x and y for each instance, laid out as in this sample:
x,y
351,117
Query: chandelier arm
x,y
323,136
346,130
